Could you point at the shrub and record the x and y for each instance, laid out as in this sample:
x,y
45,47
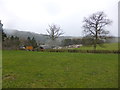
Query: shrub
x,y
83,51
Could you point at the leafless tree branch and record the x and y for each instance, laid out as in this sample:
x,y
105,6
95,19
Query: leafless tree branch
x,y
54,32
94,26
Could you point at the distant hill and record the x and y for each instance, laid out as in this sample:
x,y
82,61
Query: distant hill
x,y
40,38
43,38
24,35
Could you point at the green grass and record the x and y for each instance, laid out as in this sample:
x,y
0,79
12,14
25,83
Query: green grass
x,y
107,46
27,69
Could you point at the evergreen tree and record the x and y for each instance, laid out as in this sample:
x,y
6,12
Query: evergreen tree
x,y
28,41
33,42
1,30
12,38
17,41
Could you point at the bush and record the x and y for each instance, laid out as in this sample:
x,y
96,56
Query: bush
x,y
83,51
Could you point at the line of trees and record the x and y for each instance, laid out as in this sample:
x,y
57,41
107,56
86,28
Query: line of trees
x,y
31,42
94,33
13,42
94,30
67,42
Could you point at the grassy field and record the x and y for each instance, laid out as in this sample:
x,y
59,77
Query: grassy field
x,y
107,46
27,69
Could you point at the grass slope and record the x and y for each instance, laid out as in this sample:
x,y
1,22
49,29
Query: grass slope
x,y
25,69
108,46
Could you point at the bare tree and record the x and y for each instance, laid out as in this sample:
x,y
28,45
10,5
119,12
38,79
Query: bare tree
x,y
54,32
94,26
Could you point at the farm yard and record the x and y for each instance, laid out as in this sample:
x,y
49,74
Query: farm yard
x,y
27,69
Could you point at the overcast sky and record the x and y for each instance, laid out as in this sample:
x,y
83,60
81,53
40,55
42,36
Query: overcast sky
x,y
36,15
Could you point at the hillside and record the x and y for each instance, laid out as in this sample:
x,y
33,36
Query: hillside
x,y
24,34
43,38
40,38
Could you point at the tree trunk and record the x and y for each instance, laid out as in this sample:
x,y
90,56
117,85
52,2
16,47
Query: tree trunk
x,y
96,37
95,45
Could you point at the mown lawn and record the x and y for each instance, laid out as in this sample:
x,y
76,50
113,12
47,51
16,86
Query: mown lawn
x,y
107,46
27,69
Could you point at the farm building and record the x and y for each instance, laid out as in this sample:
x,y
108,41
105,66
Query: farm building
x,y
74,46
45,46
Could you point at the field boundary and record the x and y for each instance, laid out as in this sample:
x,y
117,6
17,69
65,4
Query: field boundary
x,y
82,51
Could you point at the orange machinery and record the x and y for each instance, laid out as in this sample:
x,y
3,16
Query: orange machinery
x,y
29,48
